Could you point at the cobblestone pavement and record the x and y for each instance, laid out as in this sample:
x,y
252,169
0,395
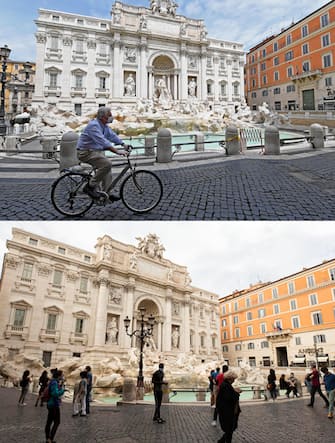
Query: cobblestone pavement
x,y
289,187
282,421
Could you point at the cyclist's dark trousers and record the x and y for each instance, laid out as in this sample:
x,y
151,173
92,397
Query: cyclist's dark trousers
x,y
158,401
53,417
102,164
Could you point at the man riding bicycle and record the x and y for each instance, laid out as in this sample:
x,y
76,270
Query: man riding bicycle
x,y
93,141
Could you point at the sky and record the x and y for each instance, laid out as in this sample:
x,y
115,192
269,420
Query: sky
x,y
247,21
220,256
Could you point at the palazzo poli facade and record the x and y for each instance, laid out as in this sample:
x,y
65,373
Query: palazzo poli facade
x,y
58,301
139,54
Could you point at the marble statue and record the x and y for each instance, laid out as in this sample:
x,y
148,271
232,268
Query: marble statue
x,y
192,88
162,92
175,337
150,246
129,86
112,331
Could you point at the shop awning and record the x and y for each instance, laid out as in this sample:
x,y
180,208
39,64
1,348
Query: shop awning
x,y
299,360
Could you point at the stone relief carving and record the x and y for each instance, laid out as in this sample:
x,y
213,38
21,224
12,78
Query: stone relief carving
x,y
43,270
71,276
143,22
130,54
133,261
11,261
150,246
176,308
107,254
188,279
115,295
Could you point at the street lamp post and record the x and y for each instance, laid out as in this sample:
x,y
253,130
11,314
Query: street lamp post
x,y
4,54
142,333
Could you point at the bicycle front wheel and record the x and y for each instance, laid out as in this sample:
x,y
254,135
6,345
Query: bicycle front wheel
x,y
141,191
67,194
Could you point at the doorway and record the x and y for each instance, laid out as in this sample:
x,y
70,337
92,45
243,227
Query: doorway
x,y
282,356
308,100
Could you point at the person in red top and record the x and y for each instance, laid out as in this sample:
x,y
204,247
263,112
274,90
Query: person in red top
x,y
314,377
218,381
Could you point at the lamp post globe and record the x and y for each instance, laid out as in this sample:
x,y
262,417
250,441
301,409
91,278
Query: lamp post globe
x,y
4,54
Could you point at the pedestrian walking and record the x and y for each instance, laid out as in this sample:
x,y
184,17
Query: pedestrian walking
x,y
329,381
89,379
211,387
43,383
53,405
218,381
228,407
24,383
79,396
157,380
271,386
314,377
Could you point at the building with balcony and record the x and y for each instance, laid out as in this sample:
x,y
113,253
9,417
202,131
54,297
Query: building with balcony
x,y
58,301
83,62
287,322
19,86
295,69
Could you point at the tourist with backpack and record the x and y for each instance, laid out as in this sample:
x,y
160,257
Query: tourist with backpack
x,y
53,405
24,383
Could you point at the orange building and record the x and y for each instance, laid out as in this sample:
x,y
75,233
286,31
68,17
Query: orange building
x,y
295,69
287,322
19,86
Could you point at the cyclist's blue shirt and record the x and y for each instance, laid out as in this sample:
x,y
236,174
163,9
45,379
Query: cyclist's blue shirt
x,y
97,136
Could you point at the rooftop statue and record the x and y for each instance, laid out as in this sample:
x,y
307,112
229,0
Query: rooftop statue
x,y
150,246
165,7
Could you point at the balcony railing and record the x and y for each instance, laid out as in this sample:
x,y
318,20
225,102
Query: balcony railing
x,y
18,331
278,333
50,334
307,74
78,337
78,91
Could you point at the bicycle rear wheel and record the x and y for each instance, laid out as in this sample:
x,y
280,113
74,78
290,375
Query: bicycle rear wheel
x,y
141,191
67,194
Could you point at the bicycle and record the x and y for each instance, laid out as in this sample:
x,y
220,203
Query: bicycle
x,y
140,190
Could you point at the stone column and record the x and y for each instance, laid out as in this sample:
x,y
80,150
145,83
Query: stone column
x,y
175,87
90,83
230,81
185,342
66,74
151,86
203,68
183,72
128,310
216,79
102,301
142,90
167,323
159,339
117,80
40,81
